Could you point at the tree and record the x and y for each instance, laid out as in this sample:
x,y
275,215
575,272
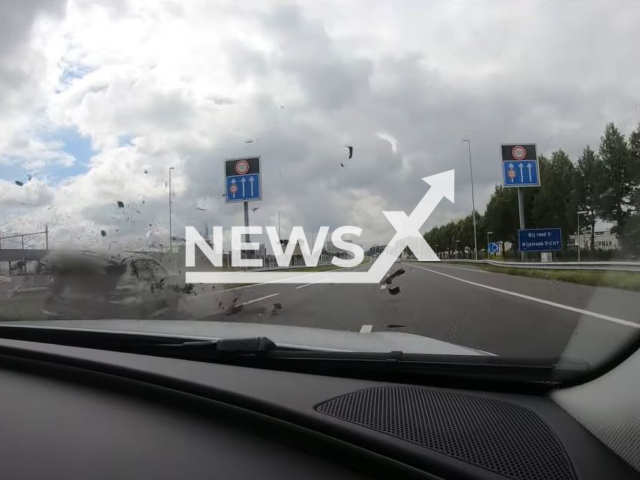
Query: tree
x,y
501,216
616,175
587,185
634,169
631,232
552,204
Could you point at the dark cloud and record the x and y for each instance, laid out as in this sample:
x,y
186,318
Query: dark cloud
x,y
16,65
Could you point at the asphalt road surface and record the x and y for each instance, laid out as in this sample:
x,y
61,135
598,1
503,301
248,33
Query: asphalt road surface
x,y
496,313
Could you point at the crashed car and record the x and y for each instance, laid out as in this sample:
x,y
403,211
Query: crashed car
x,y
93,285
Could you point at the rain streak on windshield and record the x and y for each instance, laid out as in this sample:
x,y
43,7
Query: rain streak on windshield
x,y
427,177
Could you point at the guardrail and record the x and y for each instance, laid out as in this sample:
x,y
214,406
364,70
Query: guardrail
x,y
606,266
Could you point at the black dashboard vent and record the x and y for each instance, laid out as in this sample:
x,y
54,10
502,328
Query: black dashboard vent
x,y
499,436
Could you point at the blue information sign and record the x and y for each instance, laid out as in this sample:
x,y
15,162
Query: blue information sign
x,y
494,247
540,240
242,182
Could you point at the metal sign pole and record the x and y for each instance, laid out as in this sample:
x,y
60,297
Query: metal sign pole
x,y
246,221
521,215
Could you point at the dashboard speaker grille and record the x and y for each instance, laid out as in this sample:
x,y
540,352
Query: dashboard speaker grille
x,y
499,436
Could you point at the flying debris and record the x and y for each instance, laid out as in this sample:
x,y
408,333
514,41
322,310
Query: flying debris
x,y
19,183
201,209
248,141
350,148
146,171
103,233
29,177
120,204
254,209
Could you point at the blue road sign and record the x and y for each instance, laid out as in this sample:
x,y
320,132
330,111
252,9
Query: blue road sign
x,y
520,173
540,240
242,188
494,247
520,166
243,180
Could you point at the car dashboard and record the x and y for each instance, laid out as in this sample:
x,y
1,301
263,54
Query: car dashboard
x,y
78,413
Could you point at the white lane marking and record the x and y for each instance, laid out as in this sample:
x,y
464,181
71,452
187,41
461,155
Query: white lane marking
x,y
366,329
258,299
325,280
539,300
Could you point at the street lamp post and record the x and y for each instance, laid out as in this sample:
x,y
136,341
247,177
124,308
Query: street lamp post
x,y
457,248
473,201
580,212
488,241
170,226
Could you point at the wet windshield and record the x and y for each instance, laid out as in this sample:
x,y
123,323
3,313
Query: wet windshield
x,y
430,177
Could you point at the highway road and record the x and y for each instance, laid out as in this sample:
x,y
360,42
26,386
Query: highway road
x,y
496,313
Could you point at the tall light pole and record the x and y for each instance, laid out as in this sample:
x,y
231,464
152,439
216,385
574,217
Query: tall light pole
x,y
488,242
457,248
473,201
170,226
580,212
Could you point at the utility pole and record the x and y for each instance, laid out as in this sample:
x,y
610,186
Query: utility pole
x,y
473,202
46,237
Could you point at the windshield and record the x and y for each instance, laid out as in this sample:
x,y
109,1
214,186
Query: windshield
x,y
454,177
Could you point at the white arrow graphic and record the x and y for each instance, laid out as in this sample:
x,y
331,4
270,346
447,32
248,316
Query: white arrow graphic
x,y
529,168
243,181
251,185
521,172
407,234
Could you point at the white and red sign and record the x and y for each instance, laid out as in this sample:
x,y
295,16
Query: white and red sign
x,y
242,167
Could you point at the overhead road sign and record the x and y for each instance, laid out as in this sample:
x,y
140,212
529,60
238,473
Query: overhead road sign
x,y
520,166
243,180
540,240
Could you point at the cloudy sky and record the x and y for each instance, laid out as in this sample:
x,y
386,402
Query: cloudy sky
x,y
99,98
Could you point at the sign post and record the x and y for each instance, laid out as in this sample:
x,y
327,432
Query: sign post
x,y
243,184
520,169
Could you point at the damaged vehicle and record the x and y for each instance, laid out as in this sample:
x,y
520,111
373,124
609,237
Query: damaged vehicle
x,y
94,285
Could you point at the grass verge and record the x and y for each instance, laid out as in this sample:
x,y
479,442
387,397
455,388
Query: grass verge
x,y
596,278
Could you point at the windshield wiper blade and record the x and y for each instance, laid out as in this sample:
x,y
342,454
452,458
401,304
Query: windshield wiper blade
x,y
227,345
